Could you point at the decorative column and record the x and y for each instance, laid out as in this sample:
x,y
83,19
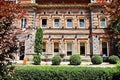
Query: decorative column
x,y
76,45
50,23
49,45
29,44
62,45
96,45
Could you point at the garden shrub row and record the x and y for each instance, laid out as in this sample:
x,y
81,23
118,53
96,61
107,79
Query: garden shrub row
x,y
76,59
64,73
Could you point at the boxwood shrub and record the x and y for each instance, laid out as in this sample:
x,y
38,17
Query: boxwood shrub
x,y
75,59
63,73
37,59
56,60
113,59
96,59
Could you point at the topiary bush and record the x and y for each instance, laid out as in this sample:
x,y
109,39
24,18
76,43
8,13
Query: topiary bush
x,y
75,59
96,59
56,60
37,59
113,59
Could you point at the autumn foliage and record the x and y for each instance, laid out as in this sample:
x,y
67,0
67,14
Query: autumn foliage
x,y
113,8
9,10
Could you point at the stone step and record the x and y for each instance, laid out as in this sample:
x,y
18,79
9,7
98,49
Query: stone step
x,y
85,58
66,58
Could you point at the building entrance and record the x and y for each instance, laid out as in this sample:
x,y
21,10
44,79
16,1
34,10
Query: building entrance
x,y
104,48
82,48
22,50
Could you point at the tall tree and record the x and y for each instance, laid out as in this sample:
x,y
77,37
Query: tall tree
x,y
113,8
38,41
9,10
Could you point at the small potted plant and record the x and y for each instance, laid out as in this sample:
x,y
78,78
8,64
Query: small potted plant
x,y
46,58
62,55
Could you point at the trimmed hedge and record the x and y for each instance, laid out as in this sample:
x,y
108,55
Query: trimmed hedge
x,y
113,59
56,60
96,59
63,73
75,59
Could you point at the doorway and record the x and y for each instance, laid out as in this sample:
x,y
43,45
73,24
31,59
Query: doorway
x,y
56,48
22,50
104,48
82,48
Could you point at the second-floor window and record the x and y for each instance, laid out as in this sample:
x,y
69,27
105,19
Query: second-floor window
x,y
102,23
56,23
44,23
69,23
23,23
82,23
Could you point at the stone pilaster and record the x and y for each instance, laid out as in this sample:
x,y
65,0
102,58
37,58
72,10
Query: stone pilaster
x,y
29,45
49,45
62,45
76,45
96,45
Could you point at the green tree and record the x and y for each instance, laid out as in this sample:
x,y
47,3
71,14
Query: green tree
x,y
38,41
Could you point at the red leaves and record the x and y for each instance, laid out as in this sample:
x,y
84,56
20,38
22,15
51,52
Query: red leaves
x,y
100,1
10,8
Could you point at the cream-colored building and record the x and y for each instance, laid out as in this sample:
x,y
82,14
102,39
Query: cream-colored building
x,y
69,26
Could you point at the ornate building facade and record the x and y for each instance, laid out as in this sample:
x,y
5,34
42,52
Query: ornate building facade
x,y
69,26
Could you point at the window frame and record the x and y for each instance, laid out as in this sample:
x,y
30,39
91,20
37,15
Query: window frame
x,y
69,50
104,22
23,25
42,23
80,23
58,23
69,23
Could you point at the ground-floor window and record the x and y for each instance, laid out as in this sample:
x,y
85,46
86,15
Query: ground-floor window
x,y
69,48
82,48
44,47
104,48
56,48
